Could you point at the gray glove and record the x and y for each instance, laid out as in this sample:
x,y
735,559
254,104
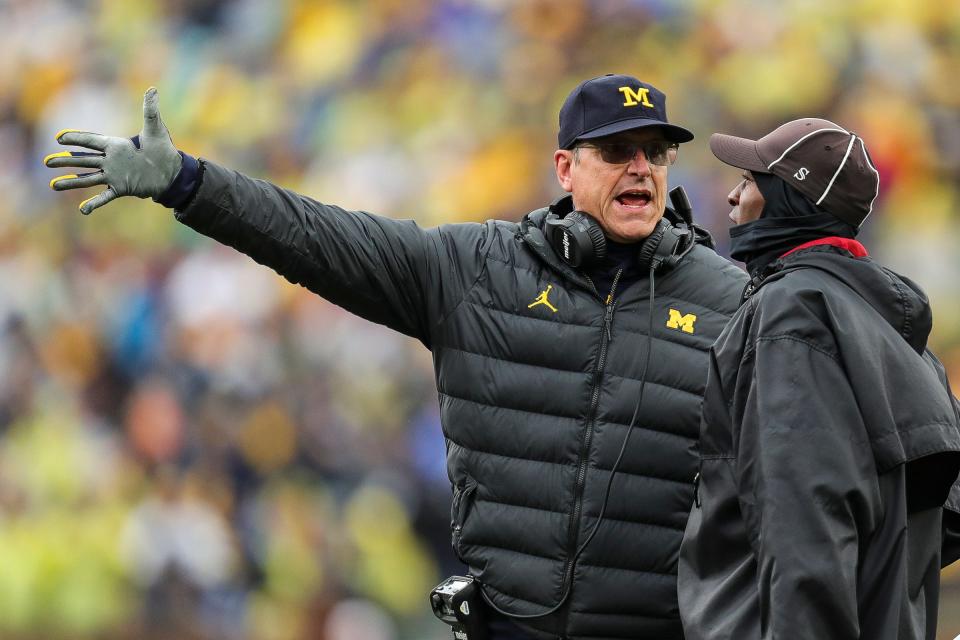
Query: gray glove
x,y
144,170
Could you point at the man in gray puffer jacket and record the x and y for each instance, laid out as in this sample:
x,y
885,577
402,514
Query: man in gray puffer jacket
x,y
546,335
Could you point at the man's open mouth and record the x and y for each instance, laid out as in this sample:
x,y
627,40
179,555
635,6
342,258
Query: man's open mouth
x,y
634,198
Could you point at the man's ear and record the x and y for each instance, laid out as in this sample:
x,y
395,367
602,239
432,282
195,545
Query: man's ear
x,y
563,160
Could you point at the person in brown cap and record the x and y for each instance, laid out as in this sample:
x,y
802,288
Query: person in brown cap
x,y
825,505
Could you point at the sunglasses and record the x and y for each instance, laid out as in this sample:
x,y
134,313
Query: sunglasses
x,y
657,152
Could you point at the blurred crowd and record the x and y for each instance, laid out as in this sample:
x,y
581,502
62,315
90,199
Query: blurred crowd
x,y
190,446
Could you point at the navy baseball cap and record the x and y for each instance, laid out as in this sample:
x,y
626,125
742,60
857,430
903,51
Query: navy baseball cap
x,y
613,103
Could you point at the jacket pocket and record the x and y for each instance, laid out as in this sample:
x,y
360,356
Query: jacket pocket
x,y
459,510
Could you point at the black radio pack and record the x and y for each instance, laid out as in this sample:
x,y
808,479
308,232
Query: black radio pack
x,y
458,602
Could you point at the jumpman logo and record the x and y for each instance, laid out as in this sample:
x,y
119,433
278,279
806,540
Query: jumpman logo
x,y
543,299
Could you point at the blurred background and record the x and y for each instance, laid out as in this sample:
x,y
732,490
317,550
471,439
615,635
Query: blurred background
x,y
191,447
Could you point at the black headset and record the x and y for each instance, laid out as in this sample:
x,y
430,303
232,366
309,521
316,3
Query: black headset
x,y
579,241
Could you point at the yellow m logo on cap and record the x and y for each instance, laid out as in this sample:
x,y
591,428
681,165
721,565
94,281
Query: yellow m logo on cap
x,y
681,322
633,98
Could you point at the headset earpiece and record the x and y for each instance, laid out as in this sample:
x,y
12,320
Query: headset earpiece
x,y
665,246
652,244
577,238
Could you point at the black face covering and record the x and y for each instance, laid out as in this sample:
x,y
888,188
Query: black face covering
x,y
788,220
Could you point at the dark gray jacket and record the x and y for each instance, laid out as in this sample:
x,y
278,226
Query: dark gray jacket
x,y
534,397
829,444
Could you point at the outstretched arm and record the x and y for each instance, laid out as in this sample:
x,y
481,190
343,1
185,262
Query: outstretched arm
x,y
388,271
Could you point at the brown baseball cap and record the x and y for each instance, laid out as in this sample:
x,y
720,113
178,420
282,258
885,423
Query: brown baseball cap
x,y
820,159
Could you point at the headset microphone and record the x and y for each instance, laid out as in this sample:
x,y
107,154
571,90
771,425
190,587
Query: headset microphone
x,y
681,204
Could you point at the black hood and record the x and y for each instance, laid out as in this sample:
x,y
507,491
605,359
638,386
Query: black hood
x,y
788,220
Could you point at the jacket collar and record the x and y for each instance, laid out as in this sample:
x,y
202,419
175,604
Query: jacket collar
x,y
850,245
898,300
779,266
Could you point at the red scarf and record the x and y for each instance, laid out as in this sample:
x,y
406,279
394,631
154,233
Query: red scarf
x,y
851,245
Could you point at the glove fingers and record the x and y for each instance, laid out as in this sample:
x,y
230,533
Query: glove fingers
x,y
86,139
74,181
74,159
152,124
102,198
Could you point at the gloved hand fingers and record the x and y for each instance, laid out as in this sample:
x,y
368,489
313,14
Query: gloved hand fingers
x,y
74,181
153,126
102,198
86,139
74,159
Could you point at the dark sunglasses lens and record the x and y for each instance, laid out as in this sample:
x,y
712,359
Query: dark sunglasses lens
x,y
617,152
662,153
659,153
671,154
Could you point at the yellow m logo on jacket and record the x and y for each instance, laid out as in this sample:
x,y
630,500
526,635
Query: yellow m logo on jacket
x,y
681,322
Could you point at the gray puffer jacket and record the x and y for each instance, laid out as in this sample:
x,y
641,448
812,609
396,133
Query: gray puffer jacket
x,y
538,378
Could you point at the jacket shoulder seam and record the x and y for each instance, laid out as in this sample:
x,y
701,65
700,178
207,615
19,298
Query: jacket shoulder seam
x,y
792,338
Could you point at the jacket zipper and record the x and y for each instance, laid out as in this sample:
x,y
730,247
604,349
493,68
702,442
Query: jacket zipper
x,y
696,485
573,531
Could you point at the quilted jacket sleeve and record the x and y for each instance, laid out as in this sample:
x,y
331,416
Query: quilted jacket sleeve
x,y
389,271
